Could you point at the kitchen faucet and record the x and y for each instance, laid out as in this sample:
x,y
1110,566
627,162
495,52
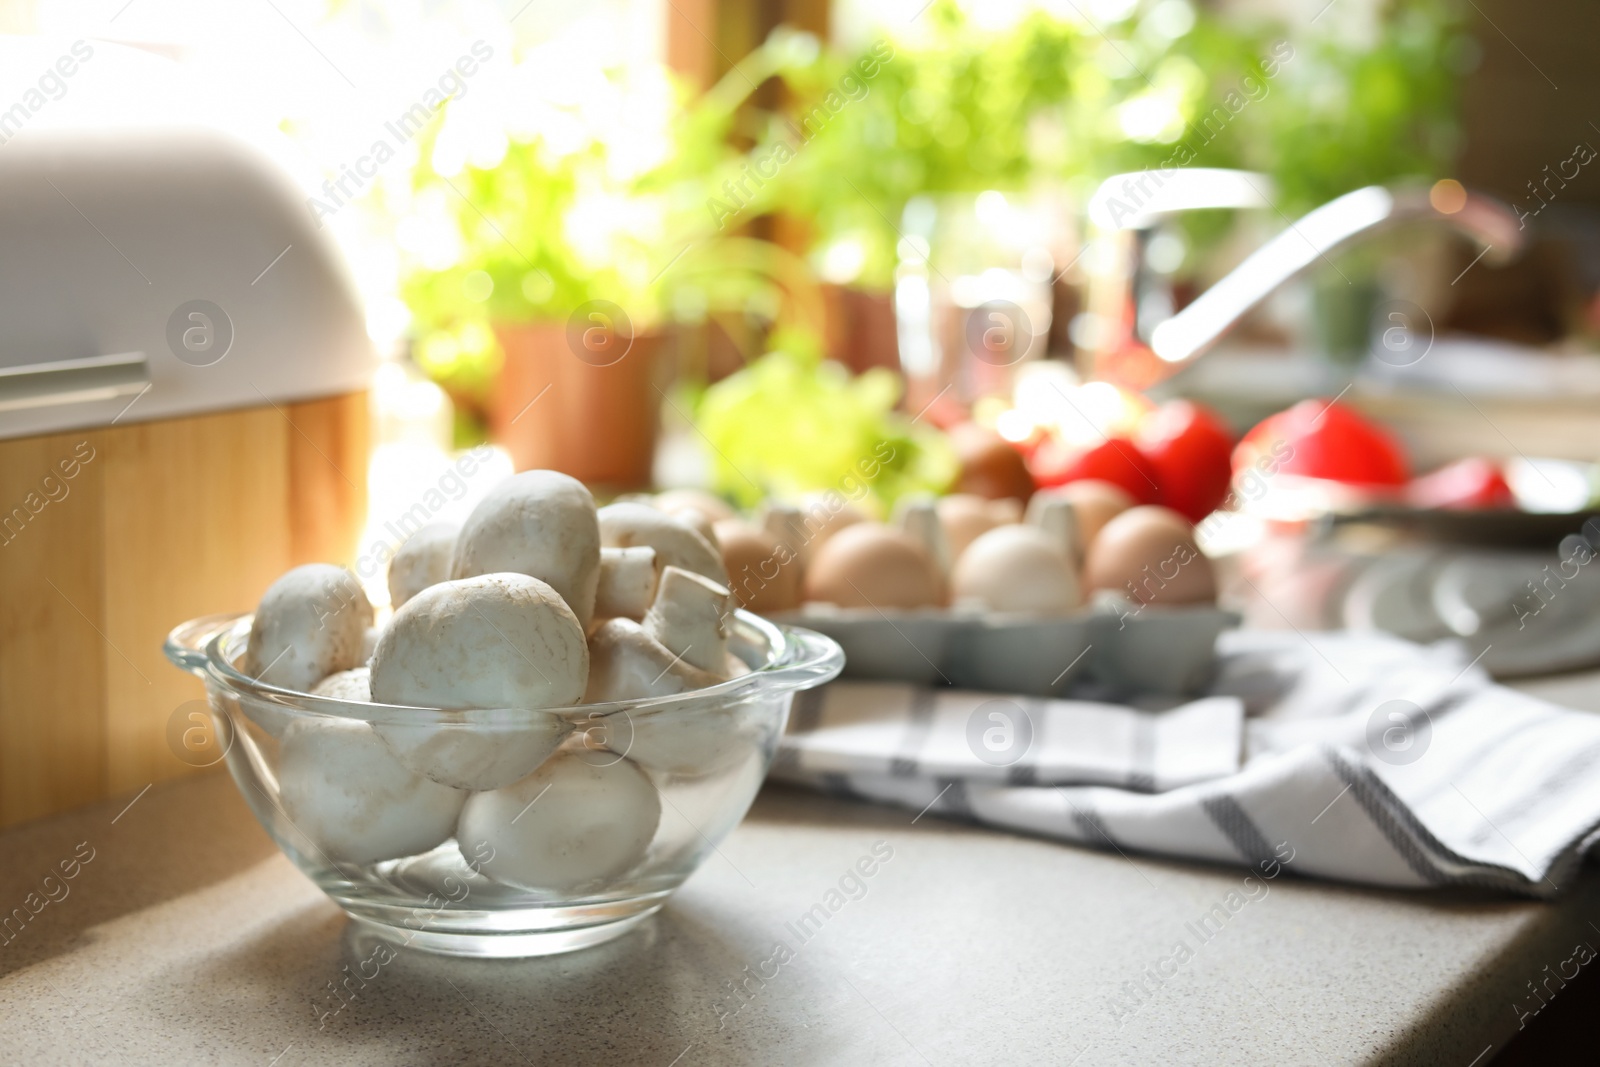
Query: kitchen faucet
x,y
1129,296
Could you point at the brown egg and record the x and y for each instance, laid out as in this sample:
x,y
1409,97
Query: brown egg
x,y
1096,503
990,467
870,565
763,576
1148,554
967,516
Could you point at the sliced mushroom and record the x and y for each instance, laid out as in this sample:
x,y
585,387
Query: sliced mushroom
x,y
575,821
503,643
628,578
677,544
343,788
689,616
423,559
311,623
538,523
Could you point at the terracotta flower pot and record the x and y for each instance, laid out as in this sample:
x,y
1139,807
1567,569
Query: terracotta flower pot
x,y
583,402
861,329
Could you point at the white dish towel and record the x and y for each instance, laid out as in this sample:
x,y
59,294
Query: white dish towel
x,y
1355,757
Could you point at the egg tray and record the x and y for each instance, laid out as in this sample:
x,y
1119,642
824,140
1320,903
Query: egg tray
x,y
1165,651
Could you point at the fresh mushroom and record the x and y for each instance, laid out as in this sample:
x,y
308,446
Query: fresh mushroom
x,y
369,643
629,664
343,788
626,663
354,685
491,650
628,578
677,544
689,616
579,819
311,623
1016,568
538,523
423,559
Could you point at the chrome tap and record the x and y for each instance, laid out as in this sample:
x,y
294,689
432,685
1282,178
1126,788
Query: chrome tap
x,y
1183,337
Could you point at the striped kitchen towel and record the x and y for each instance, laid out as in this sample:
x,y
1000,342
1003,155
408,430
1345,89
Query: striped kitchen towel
x,y
1354,757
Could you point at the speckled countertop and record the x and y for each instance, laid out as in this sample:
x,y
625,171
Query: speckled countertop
x,y
186,938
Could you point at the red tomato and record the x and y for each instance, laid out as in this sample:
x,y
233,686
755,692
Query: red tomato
x,y
1326,440
1189,446
1116,460
1464,484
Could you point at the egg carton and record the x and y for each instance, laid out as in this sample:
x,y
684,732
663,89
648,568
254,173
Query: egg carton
x,y
1160,651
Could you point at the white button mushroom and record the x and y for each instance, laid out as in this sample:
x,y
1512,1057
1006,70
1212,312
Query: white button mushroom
x,y
343,788
576,820
423,559
628,579
1016,569
538,523
626,663
369,642
311,623
677,544
689,616
493,642
353,685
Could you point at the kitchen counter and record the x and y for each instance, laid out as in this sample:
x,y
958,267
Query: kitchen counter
x,y
184,936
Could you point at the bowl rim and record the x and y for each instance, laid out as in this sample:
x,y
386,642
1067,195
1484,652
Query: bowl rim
x,y
798,658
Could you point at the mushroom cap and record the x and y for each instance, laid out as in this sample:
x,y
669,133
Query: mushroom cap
x,y
1148,554
677,544
310,623
762,575
492,641
423,559
354,685
872,565
538,523
342,787
580,818
1017,568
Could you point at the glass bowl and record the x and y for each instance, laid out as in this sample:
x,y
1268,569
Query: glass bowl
x,y
639,792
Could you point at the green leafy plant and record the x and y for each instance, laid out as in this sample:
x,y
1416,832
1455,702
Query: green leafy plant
x,y
1052,102
790,423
